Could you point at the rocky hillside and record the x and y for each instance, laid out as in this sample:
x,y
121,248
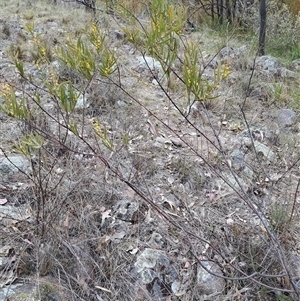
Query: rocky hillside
x,y
119,182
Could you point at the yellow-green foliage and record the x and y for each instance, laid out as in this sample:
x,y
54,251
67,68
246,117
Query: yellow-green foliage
x,y
90,56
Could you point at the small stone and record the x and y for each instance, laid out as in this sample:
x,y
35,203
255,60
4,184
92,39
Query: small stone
x,y
82,102
156,240
177,142
208,283
237,159
264,150
287,117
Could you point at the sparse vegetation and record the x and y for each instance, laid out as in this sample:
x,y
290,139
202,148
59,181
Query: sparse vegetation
x,y
127,137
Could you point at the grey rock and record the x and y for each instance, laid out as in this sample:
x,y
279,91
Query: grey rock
x,y
227,52
56,64
9,213
264,150
126,210
243,50
149,258
148,275
176,286
116,35
156,271
12,165
259,93
269,63
295,65
230,54
237,159
248,173
156,240
82,102
286,73
18,292
208,283
286,117
271,66
145,63
177,142
233,181
53,297
261,149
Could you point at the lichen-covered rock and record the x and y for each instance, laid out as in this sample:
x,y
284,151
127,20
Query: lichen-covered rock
x,y
208,283
126,210
157,273
10,166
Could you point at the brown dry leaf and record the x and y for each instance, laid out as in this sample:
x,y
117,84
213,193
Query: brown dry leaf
x,y
104,239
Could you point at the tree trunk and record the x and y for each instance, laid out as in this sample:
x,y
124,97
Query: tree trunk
x,y
228,11
262,29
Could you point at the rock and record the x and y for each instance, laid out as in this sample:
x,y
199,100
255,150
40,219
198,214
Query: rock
x,y
148,67
295,65
227,53
261,149
146,63
264,150
212,64
29,292
156,240
269,63
231,54
259,93
18,292
272,67
237,159
208,283
55,64
247,172
156,272
9,214
177,142
293,265
53,297
286,73
126,210
233,182
82,102
286,117
148,260
12,165
116,35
